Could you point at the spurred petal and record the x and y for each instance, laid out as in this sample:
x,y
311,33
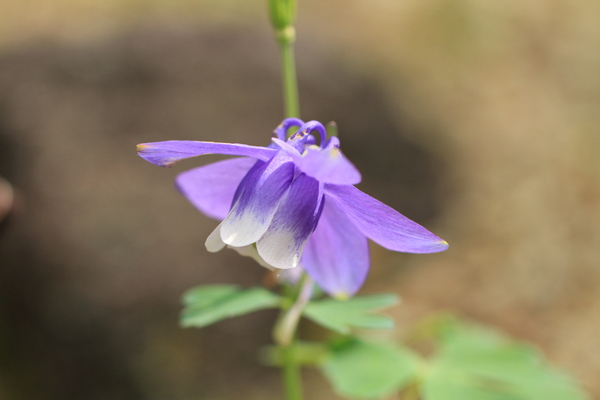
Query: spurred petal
x,y
256,201
210,188
165,154
282,129
283,243
327,165
337,254
383,224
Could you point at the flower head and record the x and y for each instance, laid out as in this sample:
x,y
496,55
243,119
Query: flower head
x,y
293,202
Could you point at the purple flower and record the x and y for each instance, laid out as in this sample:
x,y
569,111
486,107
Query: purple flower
x,y
293,203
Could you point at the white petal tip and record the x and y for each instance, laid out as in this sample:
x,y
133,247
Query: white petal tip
x,y
278,259
213,242
250,251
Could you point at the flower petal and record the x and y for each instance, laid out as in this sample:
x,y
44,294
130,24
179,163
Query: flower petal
x,y
165,154
327,165
383,224
214,243
282,129
287,148
256,201
283,243
250,251
312,126
337,254
210,188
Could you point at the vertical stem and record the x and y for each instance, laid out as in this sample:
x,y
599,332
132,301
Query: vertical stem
x,y
284,335
286,38
291,374
282,16
285,327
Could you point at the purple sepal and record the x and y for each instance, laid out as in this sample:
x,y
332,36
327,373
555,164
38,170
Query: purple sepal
x,y
383,224
165,154
211,188
337,254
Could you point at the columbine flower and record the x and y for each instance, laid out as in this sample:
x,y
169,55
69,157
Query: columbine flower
x,y
293,203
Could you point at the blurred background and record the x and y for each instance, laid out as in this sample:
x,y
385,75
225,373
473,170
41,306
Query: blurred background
x,y
479,120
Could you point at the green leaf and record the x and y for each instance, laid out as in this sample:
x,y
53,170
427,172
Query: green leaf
x,y
341,316
205,305
479,364
204,295
365,370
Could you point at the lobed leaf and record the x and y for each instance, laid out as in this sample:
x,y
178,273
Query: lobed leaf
x,y
474,363
364,370
358,312
205,305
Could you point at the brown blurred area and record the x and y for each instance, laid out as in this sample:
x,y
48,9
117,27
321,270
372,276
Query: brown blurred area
x,y
477,119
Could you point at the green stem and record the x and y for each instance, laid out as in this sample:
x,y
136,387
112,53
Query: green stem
x,y
282,16
291,374
286,38
410,393
284,335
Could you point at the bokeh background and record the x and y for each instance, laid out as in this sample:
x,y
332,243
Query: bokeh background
x,y
479,120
